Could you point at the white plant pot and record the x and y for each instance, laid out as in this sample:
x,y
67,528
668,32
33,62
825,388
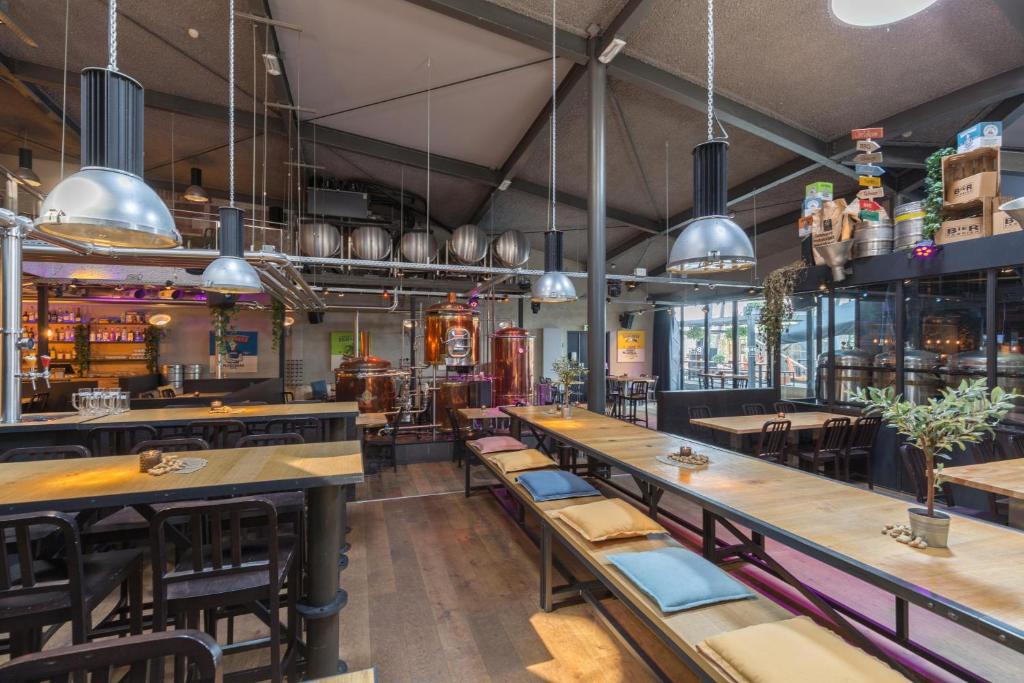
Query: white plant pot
x,y
934,530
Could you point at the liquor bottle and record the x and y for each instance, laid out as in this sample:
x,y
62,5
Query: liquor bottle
x,y
24,318
78,315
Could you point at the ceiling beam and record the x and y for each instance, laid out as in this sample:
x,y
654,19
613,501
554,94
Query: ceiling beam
x,y
624,23
1014,11
643,223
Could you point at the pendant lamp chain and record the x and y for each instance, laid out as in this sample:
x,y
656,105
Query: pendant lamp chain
x,y
552,219
112,35
711,70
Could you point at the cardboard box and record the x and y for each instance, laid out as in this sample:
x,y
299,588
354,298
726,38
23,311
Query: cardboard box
x,y
985,134
1002,222
968,226
970,177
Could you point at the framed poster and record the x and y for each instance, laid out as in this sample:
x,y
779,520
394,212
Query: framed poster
x,y
630,346
343,344
242,356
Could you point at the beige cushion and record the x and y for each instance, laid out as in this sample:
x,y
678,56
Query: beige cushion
x,y
517,461
607,519
793,650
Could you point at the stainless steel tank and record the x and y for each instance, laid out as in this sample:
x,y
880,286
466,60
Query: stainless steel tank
x,y
419,246
173,374
469,244
974,364
512,364
872,238
511,249
322,240
920,381
853,371
371,242
909,228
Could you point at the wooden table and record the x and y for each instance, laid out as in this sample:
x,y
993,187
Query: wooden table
x,y
321,468
482,414
737,426
975,582
1002,477
723,376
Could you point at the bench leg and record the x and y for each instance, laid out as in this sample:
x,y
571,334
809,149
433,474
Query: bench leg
x,y
466,465
546,569
708,545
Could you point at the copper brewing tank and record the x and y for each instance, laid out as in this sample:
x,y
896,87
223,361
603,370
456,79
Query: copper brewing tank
x,y
512,363
369,381
458,392
452,335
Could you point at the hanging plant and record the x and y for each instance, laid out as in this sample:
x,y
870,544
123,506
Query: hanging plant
x,y
933,191
152,337
277,324
221,322
777,309
82,358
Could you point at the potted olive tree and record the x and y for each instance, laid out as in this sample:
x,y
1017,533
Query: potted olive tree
x,y
569,372
957,417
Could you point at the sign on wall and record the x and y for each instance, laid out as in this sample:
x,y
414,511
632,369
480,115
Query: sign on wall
x,y
344,344
630,345
242,356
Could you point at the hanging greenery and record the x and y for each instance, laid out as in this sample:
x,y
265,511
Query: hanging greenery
x,y
152,337
933,191
778,308
222,324
277,324
82,358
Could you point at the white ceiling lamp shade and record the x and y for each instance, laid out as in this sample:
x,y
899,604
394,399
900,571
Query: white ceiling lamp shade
x,y
25,173
106,203
553,287
877,12
711,242
230,273
160,319
195,192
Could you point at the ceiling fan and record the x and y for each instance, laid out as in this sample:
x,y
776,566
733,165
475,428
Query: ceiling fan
x,y
6,20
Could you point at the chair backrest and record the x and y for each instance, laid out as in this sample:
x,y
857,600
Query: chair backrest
x,y
117,440
257,440
864,432
218,433
753,409
771,444
638,389
834,434
319,389
699,412
167,393
138,652
612,387
786,407
21,578
741,382
31,453
1018,446
913,465
176,445
988,450
306,427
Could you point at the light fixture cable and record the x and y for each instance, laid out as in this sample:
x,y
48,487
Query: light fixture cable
x,y
64,87
231,103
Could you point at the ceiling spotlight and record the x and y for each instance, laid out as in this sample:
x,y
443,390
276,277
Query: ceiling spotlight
x,y
505,184
614,48
193,33
752,290
877,12
272,64
289,321
160,319
24,172
195,192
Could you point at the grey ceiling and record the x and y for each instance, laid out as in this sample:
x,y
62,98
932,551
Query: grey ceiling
x,y
363,67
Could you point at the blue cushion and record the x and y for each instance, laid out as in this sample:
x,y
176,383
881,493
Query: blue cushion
x,y
555,484
678,579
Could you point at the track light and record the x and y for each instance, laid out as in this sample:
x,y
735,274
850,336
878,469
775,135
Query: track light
x,y
613,49
272,64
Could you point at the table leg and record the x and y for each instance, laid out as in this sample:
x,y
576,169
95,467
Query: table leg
x,y
325,599
1016,513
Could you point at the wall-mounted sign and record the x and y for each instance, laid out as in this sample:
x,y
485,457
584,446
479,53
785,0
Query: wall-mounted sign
x,y
630,346
343,344
867,133
242,356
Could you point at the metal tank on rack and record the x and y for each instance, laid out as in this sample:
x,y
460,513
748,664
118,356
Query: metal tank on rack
x,y
920,381
469,245
853,371
369,381
419,246
512,363
974,364
321,240
452,334
511,249
371,242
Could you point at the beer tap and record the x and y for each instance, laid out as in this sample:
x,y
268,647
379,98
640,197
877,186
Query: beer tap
x,y
32,375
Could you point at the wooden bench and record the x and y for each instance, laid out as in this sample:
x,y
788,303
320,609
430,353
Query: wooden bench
x,y
680,631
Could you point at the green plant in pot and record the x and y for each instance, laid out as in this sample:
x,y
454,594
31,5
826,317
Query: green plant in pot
x,y
957,417
569,372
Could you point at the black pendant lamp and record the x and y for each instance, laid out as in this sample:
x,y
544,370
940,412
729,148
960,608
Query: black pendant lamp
x,y
25,173
195,192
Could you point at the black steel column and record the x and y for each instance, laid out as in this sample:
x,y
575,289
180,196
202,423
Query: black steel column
x,y
707,338
596,229
42,324
735,340
899,332
812,358
992,345
830,371
522,303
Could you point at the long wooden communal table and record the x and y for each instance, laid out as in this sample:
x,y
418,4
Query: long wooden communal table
x,y
737,426
1001,477
323,469
975,582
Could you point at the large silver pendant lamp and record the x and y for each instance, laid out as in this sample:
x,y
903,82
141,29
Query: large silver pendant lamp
x,y
712,242
230,273
106,203
554,286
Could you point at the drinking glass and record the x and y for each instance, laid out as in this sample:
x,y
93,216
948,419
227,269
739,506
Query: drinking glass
x,y
80,401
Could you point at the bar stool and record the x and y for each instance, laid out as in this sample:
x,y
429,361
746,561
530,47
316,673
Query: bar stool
x,y
636,395
117,440
613,391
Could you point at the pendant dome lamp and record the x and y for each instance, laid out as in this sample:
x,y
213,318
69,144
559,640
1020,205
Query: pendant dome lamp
x,y
106,203
712,242
230,273
554,286
195,192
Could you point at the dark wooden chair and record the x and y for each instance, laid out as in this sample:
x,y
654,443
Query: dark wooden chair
x,y
635,396
914,466
990,450
37,591
383,446
753,409
772,442
613,395
259,440
117,440
167,393
229,567
178,445
32,453
38,402
786,407
461,433
739,382
861,442
309,428
1017,442
700,413
218,433
829,448
137,653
